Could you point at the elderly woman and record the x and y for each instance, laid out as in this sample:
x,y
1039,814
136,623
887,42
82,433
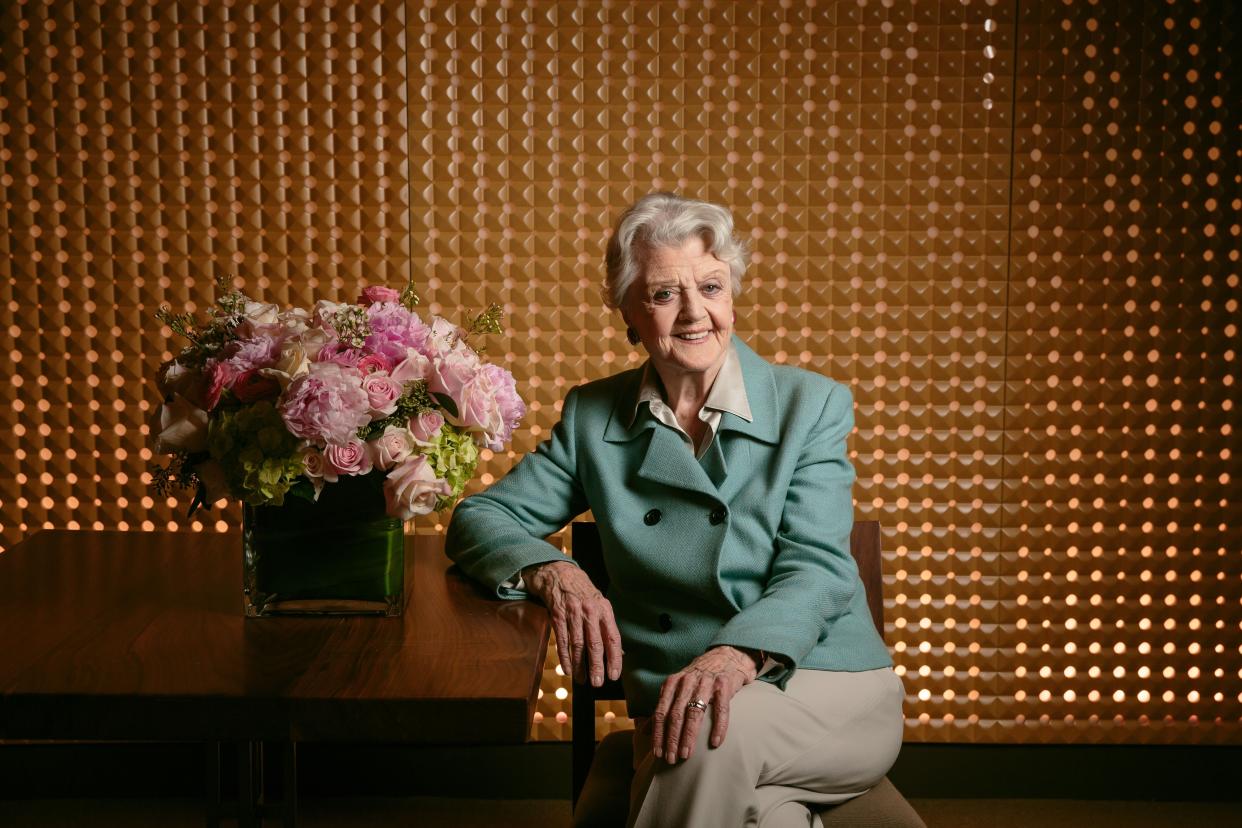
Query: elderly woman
x,y
721,486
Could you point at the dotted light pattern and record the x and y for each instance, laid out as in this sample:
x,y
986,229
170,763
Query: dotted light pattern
x,y
877,155
147,148
1119,559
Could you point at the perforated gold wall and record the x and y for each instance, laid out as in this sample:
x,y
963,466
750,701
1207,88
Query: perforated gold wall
x,y
1011,227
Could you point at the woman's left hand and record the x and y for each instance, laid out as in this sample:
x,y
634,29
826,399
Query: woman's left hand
x,y
714,678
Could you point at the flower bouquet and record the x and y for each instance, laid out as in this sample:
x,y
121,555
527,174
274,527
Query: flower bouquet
x,y
333,426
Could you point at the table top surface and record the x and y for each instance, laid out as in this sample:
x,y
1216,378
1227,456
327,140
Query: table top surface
x,y
129,635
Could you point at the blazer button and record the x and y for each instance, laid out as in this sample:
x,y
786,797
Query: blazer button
x,y
666,622
652,517
717,517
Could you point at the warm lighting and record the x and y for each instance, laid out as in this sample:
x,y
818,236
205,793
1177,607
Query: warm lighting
x,y
1029,284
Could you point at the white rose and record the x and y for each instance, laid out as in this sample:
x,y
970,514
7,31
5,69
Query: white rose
x,y
415,366
292,364
212,476
262,313
316,469
176,378
295,320
182,427
412,489
325,310
313,340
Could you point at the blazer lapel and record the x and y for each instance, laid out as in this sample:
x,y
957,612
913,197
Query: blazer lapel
x,y
667,459
670,461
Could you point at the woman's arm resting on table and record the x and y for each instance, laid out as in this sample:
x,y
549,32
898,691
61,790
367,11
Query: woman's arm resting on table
x,y
813,574
496,536
581,616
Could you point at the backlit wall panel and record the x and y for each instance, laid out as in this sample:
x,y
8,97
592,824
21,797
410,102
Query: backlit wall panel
x,y
1011,228
1120,559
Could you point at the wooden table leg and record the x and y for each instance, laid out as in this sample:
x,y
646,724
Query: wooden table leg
x,y
291,784
246,794
211,784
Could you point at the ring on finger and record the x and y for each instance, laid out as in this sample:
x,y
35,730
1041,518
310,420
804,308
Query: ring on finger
x,y
698,703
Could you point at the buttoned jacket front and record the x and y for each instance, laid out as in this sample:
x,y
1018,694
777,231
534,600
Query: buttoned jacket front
x,y
748,545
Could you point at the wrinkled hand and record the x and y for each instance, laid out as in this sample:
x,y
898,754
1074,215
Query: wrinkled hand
x,y
586,632
713,677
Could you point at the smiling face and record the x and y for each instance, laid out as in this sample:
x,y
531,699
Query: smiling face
x,y
682,309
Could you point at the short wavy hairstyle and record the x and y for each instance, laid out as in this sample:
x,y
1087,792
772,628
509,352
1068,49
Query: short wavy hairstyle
x,y
661,220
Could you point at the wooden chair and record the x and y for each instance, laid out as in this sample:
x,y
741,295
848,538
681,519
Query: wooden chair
x,y
602,775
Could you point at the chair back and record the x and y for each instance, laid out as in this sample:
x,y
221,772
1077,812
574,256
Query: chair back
x,y
588,554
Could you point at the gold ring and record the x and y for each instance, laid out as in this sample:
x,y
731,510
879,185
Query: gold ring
x,y
699,703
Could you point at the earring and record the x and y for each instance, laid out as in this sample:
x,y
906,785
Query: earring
x,y
631,335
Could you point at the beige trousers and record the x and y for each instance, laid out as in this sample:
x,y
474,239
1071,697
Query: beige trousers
x,y
828,737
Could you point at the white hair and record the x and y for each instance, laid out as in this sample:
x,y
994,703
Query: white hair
x,y
661,220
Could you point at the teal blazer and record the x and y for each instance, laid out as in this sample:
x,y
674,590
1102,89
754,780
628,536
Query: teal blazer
x,y
748,546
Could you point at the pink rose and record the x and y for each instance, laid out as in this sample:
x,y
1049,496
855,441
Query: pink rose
x,y
348,458
426,426
378,293
252,386
390,448
415,366
371,363
326,404
412,489
382,394
219,378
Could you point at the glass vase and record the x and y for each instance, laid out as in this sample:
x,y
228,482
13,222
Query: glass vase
x,y
339,555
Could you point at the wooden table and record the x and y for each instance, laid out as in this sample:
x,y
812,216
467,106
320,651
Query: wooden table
x,y
141,636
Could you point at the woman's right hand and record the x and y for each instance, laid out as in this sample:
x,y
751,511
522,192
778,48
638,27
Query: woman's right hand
x,y
586,632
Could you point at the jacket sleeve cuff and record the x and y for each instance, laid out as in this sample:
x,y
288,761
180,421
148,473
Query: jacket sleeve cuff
x,y
505,574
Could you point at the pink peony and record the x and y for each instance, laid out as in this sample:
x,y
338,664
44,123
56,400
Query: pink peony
x,y
340,353
378,293
412,489
390,448
252,386
326,404
257,347
452,371
426,426
371,363
394,329
350,457
512,409
382,393
489,404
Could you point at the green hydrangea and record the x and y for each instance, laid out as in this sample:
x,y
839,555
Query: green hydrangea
x,y
453,456
259,456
